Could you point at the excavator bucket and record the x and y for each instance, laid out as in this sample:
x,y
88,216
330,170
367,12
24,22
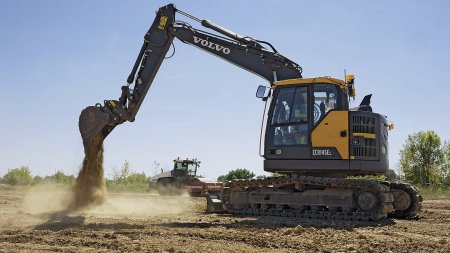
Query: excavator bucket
x,y
213,203
92,122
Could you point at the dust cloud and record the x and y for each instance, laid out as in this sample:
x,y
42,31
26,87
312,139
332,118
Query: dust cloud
x,y
46,197
88,195
49,200
124,205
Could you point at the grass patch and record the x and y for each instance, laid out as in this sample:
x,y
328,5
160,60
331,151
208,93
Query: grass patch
x,y
113,186
434,193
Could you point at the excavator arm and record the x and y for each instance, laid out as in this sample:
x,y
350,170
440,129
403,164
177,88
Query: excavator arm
x,y
245,52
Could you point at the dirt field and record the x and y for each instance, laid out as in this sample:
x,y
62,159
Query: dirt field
x,y
150,223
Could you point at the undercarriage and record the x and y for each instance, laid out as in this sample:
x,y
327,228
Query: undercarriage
x,y
321,198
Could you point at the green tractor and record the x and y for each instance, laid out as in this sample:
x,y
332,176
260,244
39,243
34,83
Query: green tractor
x,y
183,178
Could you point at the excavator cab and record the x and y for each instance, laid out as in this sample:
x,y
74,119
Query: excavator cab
x,y
310,129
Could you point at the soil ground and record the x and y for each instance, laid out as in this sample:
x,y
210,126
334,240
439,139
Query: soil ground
x,y
152,223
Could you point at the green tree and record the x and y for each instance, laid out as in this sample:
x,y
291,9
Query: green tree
x,y
136,178
60,177
391,175
123,173
446,165
423,159
126,180
18,176
37,180
236,174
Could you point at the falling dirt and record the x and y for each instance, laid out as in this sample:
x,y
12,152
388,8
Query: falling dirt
x,y
89,189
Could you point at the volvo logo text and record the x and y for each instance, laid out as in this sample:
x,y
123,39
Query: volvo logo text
x,y
211,45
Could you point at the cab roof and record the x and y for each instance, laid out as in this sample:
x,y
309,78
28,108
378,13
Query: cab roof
x,y
325,79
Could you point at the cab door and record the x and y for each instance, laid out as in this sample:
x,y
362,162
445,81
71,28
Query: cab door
x,y
330,133
289,124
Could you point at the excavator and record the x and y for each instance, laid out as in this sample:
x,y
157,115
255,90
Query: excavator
x,y
319,146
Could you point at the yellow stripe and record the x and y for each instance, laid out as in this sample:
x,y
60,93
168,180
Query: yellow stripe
x,y
365,135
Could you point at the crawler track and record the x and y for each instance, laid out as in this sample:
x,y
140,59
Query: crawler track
x,y
380,204
414,197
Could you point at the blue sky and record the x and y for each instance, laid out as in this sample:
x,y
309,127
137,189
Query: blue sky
x,y
57,57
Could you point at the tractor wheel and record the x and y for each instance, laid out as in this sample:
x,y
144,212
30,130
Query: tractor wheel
x,y
167,186
195,194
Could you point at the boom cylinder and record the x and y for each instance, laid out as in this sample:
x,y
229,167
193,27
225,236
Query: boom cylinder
x,y
230,34
208,24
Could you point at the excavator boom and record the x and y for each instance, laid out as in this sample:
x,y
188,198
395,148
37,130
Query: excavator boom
x,y
245,52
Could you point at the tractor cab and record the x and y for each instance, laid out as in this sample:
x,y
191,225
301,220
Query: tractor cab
x,y
185,167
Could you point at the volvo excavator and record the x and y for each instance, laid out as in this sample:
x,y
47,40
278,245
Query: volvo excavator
x,y
312,138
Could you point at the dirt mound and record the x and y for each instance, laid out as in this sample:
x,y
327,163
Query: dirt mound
x,y
89,189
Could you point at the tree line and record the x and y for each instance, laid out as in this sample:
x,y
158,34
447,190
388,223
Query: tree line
x,y
122,179
23,176
424,161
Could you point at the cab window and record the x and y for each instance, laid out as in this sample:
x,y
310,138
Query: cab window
x,y
192,169
325,99
290,117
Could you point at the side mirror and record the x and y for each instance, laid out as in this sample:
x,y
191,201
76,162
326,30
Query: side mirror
x,y
261,92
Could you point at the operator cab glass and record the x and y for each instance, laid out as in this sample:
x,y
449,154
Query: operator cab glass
x,y
290,117
298,109
325,99
187,168
192,169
